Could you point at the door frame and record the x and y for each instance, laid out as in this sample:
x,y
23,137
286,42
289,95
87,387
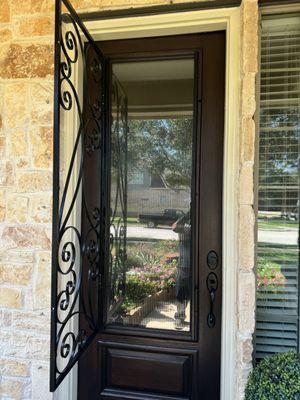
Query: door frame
x,y
201,21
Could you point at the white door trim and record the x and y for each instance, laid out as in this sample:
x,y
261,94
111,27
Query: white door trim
x,y
183,23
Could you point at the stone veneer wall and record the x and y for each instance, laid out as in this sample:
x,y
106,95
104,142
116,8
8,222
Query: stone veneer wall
x,y
245,273
26,86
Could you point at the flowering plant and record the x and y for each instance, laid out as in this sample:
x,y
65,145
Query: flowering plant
x,y
269,276
151,268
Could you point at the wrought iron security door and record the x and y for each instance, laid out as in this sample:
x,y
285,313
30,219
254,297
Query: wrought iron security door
x,y
79,194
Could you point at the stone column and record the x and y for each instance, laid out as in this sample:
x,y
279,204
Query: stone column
x,y
246,278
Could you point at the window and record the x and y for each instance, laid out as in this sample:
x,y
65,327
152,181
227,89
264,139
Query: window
x,y
150,270
137,178
277,317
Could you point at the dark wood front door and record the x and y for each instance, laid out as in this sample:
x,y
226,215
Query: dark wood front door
x,y
161,281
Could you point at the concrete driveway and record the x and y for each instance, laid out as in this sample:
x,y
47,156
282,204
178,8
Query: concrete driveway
x,y
276,236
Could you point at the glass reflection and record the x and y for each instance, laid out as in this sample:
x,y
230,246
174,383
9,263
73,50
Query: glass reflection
x,y
151,177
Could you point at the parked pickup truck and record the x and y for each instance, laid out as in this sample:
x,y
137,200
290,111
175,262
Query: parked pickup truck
x,y
168,217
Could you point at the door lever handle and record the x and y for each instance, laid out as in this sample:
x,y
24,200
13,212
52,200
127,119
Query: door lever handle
x,y
212,286
212,296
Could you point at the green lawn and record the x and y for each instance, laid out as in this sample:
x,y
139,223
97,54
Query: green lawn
x,y
277,224
132,221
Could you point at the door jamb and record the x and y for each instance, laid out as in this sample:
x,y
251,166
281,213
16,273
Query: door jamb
x,y
184,23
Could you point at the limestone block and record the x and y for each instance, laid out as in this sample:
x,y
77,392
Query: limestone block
x,y
244,350
41,297
22,345
250,36
2,205
10,297
2,111
41,208
23,7
38,322
16,100
5,318
18,143
42,92
22,163
5,34
41,95
38,181
4,11
17,208
248,95
246,237
15,274
17,256
41,26
11,388
28,298
246,301
6,173
41,147
2,146
247,140
12,367
247,350
18,60
246,195
27,236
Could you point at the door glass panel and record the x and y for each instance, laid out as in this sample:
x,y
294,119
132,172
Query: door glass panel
x,y
150,267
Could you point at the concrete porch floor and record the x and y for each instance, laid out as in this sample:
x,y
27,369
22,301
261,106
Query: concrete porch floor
x,y
162,317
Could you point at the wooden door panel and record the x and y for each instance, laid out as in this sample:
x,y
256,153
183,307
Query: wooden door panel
x,y
137,370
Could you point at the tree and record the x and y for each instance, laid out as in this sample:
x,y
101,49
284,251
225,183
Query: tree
x,y
279,158
164,147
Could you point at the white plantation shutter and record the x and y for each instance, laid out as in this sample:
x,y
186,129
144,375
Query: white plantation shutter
x,y
277,314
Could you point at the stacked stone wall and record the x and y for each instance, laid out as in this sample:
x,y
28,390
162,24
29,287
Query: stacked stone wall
x,y
246,230
26,115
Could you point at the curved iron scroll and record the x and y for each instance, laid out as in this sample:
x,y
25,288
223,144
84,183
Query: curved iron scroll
x,y
118,198
76,244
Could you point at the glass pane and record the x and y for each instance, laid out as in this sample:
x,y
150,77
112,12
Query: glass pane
x,y
277,326
151,178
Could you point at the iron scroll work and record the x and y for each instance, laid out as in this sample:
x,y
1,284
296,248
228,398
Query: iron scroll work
x,y
117,263
76,211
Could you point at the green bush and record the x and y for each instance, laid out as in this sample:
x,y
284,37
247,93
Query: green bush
x,y
133,261
275,378
137,289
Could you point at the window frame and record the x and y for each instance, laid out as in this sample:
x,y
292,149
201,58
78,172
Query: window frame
x,y
283,8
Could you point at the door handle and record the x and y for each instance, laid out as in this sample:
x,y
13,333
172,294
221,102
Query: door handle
x,y
212,286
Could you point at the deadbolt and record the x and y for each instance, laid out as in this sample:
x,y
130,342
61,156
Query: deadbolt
x,y
212,259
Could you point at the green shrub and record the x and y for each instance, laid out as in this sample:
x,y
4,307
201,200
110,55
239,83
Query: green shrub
x,y
275,378
137,289
133,261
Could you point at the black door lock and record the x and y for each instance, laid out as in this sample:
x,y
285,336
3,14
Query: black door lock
x,y
212,259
